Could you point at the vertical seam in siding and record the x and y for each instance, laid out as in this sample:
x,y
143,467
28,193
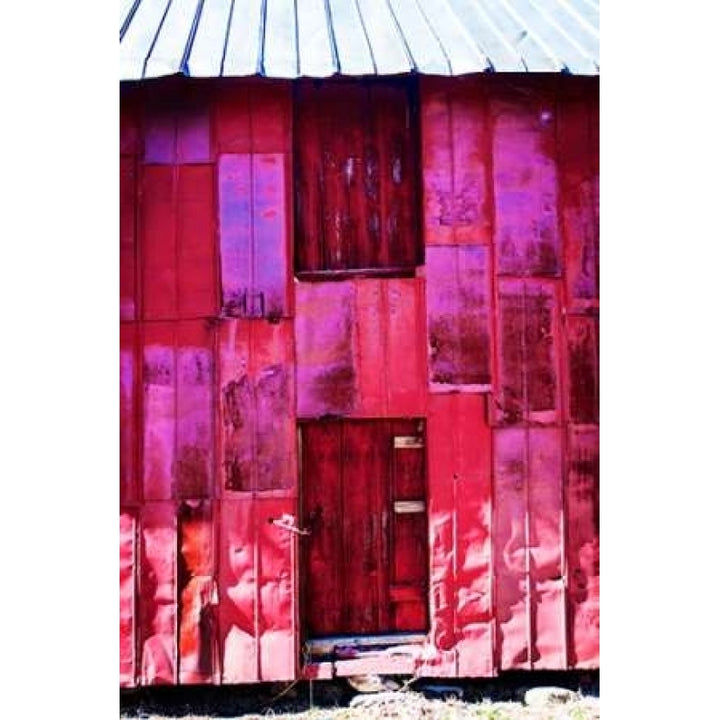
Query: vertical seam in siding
x,y
227,37
526,485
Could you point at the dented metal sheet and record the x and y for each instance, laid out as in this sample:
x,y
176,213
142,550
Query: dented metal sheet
x,y
459,525
253,235
258,445
583,551
157,633
279,38
128,563
530,599
459,312
257,591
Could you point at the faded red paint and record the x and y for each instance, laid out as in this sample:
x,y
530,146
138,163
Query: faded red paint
x,y
491,344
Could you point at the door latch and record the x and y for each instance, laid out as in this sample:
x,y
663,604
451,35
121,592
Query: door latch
x,y
287,522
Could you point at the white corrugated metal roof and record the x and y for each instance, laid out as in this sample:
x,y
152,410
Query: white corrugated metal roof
x,y
319,38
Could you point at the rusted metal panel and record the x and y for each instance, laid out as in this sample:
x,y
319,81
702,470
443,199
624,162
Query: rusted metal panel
x,y
127,238
128,414
129,122
528,346
128,562
456,161
326,374
159,409
360,351
158,594
258,444
257,591
459,307
272,117
198,594
254,235
196,262
355,178
528,504
578,184
583,552
583,370
194,443
158,243
527,237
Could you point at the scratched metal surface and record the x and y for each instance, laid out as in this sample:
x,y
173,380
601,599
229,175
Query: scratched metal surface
x,y
316,38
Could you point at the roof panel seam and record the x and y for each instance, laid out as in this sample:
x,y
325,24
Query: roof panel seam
x,y
472,42
155,39
551,21
435,35
131,14
583,21
498,33
191,37
401,35
260,60
227,37
367,37
331,37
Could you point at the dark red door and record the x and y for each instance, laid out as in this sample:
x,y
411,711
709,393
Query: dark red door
x,y
365,560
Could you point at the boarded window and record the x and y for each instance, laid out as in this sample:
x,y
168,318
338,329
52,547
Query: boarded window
x,y
355,178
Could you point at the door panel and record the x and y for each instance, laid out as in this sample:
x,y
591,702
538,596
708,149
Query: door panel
x,y
364,503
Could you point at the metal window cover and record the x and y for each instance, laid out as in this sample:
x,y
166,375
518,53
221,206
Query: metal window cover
x,y
320,38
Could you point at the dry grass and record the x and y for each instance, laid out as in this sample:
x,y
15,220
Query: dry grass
x,y
414,706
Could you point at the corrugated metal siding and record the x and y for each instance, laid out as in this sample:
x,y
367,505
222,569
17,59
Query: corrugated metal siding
x,y
319,38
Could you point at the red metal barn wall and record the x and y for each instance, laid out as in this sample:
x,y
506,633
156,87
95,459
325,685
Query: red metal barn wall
x,y
492,340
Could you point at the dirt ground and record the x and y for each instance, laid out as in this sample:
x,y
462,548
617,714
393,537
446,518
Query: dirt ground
x,y
511,700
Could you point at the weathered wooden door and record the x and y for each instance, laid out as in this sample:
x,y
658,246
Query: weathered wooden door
x,y
365,559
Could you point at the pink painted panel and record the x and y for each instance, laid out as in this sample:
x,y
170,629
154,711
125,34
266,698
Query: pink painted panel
x,y
158,594
127,599
127,238
405,364
437,162
198,594
158,243
238,608
235,214
472,451
128,413
458,307
546,548
510,548
195,210
159,410
271,271
277,592
371,350
525,181
324,337
583,552
194,458
274,393
472,204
